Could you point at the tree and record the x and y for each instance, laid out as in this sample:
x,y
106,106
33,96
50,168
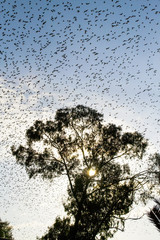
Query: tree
x,y
5,231
154,214
95,159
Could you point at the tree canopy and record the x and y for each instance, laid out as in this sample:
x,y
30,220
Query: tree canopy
x,y
5,231
97,160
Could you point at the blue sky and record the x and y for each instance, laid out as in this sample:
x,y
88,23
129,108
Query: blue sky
x,y
103,54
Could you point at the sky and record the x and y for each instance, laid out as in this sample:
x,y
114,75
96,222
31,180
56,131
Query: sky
x,y
53,54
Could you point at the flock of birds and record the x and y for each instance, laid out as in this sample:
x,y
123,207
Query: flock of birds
x,y
103,54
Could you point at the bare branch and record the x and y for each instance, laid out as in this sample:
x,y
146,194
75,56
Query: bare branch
x,y
136,218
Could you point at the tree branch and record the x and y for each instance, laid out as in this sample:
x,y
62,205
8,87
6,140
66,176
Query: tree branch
x,y
81,139
137,218
51,141
69,178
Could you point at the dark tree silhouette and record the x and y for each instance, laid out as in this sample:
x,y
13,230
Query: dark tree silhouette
x,y
94,157
154,214
5,231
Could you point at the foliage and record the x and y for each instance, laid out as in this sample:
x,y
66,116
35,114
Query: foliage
x,y
154,214
73,144
5,231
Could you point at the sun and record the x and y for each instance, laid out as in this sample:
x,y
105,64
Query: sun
x,y
91,172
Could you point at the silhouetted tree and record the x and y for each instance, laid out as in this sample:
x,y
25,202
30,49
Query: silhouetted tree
x,y
5,231
154,214
94,157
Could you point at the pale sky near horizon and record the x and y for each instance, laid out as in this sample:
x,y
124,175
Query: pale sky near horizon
x,y
103,54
